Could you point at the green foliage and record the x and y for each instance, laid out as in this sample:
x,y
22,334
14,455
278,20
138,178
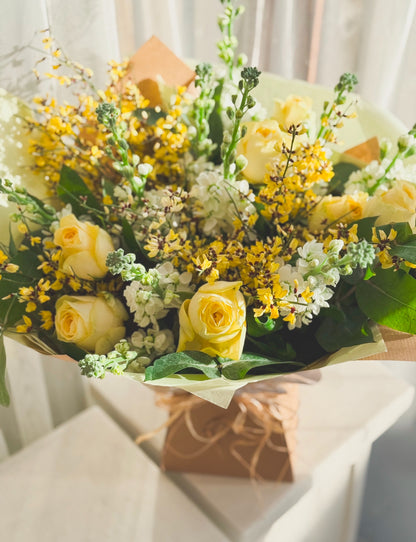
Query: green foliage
x,y
346,327
403,230
149,115
216,131
274,345
131,243
257,327
236,370
389,298
72,189
342,172
179,361
4,396
241,104
365,227
407,250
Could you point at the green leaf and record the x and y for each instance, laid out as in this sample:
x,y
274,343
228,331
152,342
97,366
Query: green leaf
x,y
108,187
342,172
273,345
407,250
343,328
132,245
215,125
28,264
149,115
365,227
262,226
403,230
257,327
12,244
13,310
4,396
389,298
178,361
71,188
369,273
236,370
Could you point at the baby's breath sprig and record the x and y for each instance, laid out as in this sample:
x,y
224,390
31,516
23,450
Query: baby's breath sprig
x,y
249,80
331,117
33,208
108,114
228,44
203,107
406,146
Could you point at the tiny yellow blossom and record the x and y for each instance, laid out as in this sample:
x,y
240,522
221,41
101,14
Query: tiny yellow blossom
x,y
35,241
22,228
27,326
31,306
47,319
107,200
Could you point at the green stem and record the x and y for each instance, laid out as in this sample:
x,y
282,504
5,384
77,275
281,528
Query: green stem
x,y
235,134
372,190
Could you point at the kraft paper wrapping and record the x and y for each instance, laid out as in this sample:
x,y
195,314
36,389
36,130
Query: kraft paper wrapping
x,y
155,65
254,437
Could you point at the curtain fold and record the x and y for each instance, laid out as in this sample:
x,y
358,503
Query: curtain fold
x,y
375,39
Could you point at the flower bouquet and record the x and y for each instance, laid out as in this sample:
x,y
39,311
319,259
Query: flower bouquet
x,y
208,234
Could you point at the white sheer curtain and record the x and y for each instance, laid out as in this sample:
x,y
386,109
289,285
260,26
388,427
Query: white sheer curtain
x,y
315,40
306,39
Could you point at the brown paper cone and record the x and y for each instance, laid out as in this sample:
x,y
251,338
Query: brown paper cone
x,y
400,346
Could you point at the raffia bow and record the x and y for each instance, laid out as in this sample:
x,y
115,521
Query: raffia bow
x,y
258,421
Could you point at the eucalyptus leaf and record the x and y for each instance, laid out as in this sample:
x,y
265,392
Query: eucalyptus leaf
x,y
4,396
179,361
389,298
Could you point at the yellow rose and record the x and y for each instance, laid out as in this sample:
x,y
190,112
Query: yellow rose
x,y
84,248
259,147
214,320
334,209
92,323
293,111
398,204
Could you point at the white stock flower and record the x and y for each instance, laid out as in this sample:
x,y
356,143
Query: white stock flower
x,y
154,342
218,202
146,306
173,284
363,179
